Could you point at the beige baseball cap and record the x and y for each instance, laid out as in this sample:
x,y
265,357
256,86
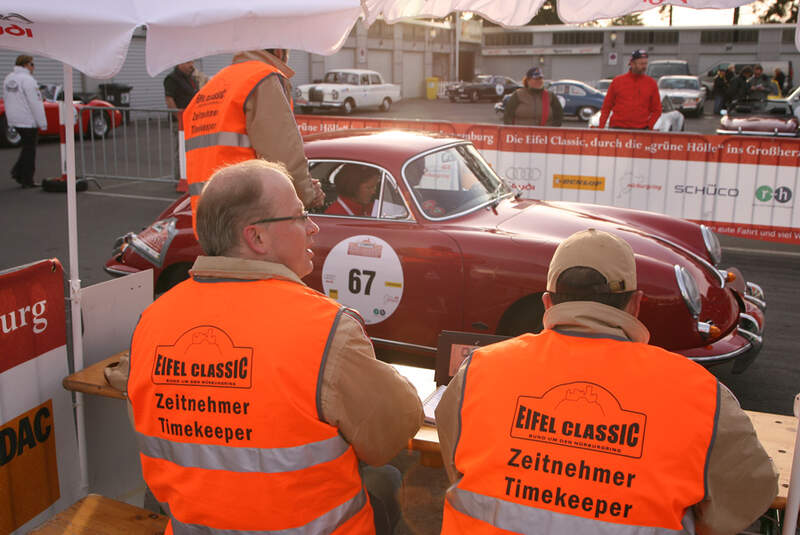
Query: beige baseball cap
x,y
601,251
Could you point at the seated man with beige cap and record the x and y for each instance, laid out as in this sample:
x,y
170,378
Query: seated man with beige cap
x,y
584,428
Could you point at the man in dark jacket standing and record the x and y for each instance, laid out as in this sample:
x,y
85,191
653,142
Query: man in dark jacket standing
x,y
719,90
760,85
737,88
532,104
633,97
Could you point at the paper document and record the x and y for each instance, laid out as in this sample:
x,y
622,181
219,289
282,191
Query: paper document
x,y
430,404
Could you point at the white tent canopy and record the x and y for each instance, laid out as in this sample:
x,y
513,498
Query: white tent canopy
x,y
93,35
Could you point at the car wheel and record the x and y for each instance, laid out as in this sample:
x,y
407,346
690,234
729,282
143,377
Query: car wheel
x,y
99,126
11,137
524,316
171,276
348,106
474,96
585,113
386,105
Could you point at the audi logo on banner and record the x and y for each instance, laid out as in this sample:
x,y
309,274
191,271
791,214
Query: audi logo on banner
x,y
10,25
523,174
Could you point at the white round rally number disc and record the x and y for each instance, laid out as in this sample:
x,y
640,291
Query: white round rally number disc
x,y
364,273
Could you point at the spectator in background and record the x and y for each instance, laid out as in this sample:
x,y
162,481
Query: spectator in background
x,y
532,104
180,86
730,73
780,79
25,112
737,88
760,85
719,90
633,97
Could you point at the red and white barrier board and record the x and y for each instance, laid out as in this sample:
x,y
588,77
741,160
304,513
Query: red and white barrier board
x,y
39,472
744,186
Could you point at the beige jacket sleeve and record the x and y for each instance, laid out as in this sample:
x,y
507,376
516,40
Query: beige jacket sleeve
x,y
741,479
447,413
375,408
274,135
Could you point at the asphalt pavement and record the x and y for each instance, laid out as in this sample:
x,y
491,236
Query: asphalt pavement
x,y
34,226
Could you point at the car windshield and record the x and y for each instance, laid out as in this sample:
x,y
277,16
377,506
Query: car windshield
x,y
453,181
341,78
48,91
678,83
657,70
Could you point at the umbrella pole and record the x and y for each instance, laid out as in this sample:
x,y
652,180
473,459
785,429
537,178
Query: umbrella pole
x,y
68,118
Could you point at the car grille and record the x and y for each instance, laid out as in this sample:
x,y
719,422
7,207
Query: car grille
x,y
676,100
315,95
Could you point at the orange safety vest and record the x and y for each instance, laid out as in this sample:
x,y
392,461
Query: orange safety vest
x,y
214,123
224,383
568,434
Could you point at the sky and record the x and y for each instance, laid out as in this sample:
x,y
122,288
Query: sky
x,y
682,16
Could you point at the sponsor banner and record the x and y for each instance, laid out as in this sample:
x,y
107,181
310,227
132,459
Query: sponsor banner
x,y
39,473
738,183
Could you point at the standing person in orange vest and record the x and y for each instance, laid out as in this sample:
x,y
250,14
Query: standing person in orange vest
x,y
257,400
245,112
584,428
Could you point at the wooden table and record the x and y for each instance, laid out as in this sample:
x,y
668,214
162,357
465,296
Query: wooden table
x,y
97,514
777,433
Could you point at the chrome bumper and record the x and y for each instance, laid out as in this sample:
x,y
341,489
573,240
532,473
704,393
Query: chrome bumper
x,y
749,329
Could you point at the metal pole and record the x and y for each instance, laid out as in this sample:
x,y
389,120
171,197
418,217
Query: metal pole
x,y
74,277
457,15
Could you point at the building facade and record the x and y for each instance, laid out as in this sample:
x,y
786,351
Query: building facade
x,y
407,53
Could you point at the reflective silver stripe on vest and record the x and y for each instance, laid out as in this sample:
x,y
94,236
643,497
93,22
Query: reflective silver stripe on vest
x,y
225,139
322,525
529,520
196,188
268,461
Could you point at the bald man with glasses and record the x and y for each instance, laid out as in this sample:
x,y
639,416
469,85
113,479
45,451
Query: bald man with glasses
x,y
258,401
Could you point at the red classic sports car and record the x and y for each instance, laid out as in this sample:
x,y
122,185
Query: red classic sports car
x,y
92,122
442,243
771,117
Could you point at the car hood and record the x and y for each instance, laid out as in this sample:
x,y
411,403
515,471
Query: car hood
x,y
684,93
651,236
327,87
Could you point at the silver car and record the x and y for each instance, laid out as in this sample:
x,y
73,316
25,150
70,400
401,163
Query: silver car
x,y
686,93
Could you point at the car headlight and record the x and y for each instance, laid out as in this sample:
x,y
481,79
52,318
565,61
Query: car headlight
x,y
298,93
689,291
335,95
712,244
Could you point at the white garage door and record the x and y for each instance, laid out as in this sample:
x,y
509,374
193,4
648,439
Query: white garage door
x,y
147,92
211,65
413,75
343,59
381,61
300,61
584,68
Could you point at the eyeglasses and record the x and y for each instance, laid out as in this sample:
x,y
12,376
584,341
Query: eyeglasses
x,y
304,217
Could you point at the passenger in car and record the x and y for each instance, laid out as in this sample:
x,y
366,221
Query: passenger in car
x,y
356,187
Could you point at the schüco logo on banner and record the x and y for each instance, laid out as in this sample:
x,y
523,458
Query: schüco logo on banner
x,y
781,194
580,415
203,356
594,183
10,25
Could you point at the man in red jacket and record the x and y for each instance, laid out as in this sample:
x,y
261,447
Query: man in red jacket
x,y
632,97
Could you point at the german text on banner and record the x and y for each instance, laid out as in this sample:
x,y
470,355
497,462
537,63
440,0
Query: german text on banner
x,y
739,185
39,473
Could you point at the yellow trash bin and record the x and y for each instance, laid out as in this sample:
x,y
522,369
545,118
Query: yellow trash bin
x,y
432,84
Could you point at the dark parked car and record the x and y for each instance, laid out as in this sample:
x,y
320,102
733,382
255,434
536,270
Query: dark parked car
x,y
771,117
484,86
449,246
581,100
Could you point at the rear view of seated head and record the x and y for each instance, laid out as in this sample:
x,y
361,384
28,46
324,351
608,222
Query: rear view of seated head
x,y
356,186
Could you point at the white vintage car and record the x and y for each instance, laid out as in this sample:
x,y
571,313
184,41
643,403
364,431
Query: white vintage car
x,y
347,89
671,119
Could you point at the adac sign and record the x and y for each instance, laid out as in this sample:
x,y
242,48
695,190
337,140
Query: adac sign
x,y
580,415
203,356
